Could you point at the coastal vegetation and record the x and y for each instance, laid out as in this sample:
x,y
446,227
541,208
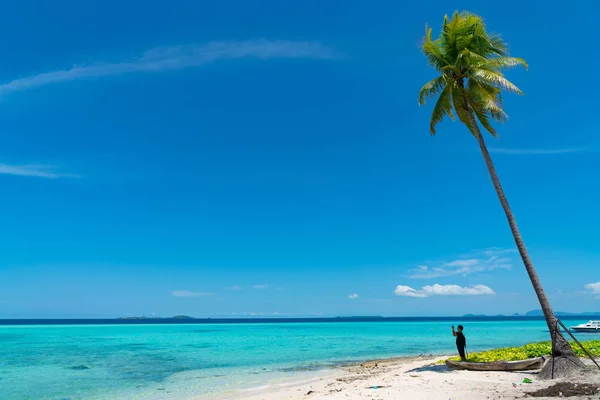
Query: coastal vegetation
x,y
531,350
470,63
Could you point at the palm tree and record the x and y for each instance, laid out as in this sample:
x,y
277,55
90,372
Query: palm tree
x,y
470,63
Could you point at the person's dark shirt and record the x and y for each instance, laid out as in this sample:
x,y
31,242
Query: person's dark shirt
x,y
460,339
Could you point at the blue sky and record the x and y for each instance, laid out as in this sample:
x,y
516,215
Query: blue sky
x,y
238,158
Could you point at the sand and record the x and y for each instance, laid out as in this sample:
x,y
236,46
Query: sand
x,y
413,378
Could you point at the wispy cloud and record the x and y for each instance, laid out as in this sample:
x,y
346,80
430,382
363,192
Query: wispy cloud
x,y
594,288
263,286
477,261
176,58
234,288
353,296
526,152
443,290
188,293
40,171
264,314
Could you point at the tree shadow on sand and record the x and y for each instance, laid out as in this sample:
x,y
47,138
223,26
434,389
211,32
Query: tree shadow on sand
x,y
431,368
443,368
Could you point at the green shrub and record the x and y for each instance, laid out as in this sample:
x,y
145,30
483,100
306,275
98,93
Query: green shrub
x,y
531,350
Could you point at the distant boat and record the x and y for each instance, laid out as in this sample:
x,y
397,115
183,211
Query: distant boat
x,y
591,326
523,365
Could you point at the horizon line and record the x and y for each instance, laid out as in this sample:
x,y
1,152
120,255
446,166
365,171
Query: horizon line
x,y
280,317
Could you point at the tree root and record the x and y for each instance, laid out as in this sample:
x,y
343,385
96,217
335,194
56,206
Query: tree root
x,y
561,367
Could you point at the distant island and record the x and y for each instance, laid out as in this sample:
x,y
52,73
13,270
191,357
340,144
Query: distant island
x,y
485,315
539,313
536,313
530,314
175,317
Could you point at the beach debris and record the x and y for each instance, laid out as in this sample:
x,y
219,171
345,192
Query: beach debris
x,y
350,379
310,392
527,380
514,385
376,387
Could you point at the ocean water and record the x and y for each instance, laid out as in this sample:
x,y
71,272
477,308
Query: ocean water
x,y
187,361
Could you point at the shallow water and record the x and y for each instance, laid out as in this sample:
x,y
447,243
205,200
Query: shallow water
x,y
183,361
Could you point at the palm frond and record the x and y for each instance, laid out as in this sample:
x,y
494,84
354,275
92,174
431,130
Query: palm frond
x,y
431,88
461,107
450,32
503,62
442,108
497,45
468,58
433,51
495,79
482,116
488,99
469,30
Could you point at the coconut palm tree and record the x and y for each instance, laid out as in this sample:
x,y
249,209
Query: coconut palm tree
x,y
470,63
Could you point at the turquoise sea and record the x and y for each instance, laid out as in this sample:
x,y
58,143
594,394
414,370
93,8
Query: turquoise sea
x,y
185,361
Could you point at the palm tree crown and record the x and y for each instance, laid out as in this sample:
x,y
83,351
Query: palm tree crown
x,y
470,62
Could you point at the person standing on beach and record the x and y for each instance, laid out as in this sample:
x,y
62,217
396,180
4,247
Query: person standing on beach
x,y
461,341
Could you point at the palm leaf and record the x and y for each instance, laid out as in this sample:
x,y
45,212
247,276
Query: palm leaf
x,y
487,98
497,45
482,116
503,62
461,107
442,108
431,88
433,50
468,58
495,79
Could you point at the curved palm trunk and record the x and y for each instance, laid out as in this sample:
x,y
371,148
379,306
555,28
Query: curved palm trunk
x,y
562,348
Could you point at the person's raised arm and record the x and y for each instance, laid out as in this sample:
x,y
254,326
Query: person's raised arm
x,y
453,332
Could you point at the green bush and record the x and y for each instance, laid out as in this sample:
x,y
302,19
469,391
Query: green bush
x,y
531,350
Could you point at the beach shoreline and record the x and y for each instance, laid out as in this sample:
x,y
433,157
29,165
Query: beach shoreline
x,y
220,361
412,377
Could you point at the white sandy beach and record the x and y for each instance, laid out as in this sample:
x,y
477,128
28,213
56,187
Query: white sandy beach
x,y
417,378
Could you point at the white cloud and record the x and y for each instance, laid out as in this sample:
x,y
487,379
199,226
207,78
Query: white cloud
x,y
264,286
176,58
40,171
526,152
407,291
462,263
477,261
353,296
443,290
455,290
264,314
234,287
187,293
593,287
